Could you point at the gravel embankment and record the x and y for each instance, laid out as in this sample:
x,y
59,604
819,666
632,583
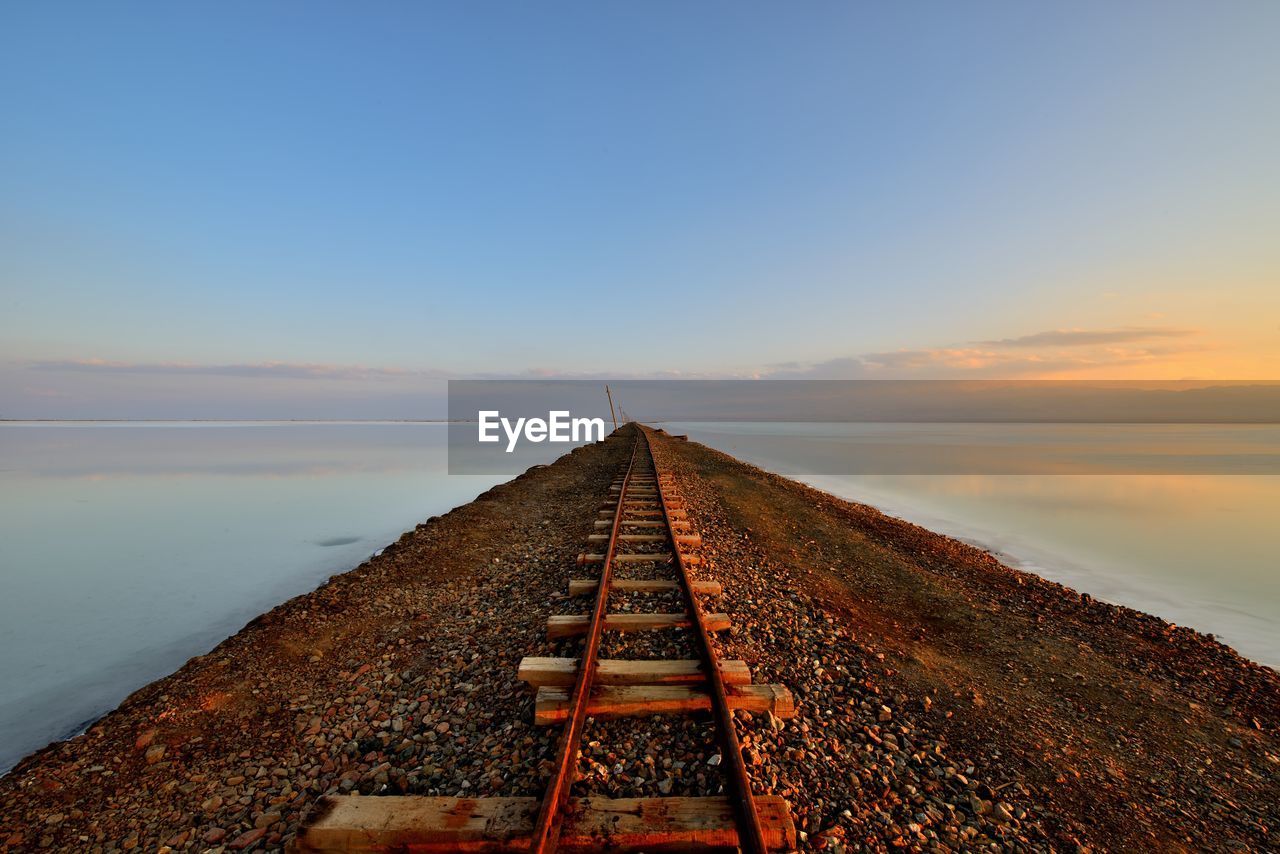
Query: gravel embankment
x,y
946,702
856,764
397,677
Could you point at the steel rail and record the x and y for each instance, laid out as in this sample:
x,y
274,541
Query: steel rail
x,y
546,832
750,833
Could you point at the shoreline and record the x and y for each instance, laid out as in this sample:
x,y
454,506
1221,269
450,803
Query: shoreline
x,y
1042,561
1117,577
345,688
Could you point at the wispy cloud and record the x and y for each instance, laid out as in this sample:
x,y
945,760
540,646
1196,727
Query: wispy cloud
x,y
312,371
275,370
96,387
935,362
1090,337
1037,355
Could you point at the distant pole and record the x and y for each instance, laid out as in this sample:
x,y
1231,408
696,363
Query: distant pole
x,y
612,414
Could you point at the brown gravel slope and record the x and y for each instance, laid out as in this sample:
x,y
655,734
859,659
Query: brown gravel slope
x,y
1089,724
398,676
946,701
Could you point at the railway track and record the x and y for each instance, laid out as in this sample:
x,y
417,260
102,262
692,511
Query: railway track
x,y
644,543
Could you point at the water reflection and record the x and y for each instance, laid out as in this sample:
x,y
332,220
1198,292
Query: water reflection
x,y
126,549
1197,549
265,449
1001,448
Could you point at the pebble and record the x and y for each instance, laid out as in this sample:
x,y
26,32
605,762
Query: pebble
x,y
248,838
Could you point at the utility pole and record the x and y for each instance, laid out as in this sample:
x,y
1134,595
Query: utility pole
x,y
612,414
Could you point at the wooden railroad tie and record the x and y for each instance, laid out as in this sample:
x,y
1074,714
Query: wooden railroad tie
x,y
568,625
675,514
551,705
438,825
583,586
682,539
638,557
561,672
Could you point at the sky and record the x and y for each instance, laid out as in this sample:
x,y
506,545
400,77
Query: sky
x,y
325,210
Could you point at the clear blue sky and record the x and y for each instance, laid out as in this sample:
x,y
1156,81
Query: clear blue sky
x,y
263,201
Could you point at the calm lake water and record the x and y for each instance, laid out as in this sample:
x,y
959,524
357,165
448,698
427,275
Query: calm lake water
x,y
125,549
1199,549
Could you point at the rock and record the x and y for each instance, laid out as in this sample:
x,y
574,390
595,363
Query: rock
x,y
154,754
144,740
214,835
247,838
713,760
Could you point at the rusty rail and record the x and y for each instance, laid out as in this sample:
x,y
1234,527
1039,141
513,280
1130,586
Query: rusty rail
x,y
751,837
750,833
546,833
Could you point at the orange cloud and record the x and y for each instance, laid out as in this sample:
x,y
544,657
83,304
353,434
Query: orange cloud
x,y
1058,353
1091,337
